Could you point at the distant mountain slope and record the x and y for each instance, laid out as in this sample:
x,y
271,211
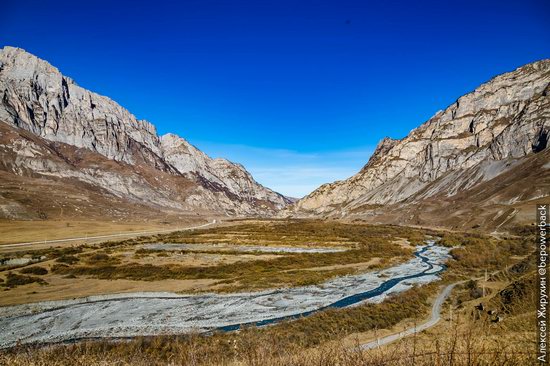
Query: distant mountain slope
x,y
486,135
83,137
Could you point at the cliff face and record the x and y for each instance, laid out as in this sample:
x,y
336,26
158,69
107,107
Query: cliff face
x,y
482,135
35,97
38,98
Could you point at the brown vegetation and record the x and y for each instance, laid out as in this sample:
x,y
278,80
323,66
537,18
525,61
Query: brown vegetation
x,y
14,280
365,242
478,253
35,270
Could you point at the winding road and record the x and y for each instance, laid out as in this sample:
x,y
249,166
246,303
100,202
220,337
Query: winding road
x,y
434,319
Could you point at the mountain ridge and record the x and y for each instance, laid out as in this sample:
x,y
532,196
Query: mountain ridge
x,y
36,97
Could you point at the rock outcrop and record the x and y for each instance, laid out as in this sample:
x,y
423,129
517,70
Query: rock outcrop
x,y
35,97
479,137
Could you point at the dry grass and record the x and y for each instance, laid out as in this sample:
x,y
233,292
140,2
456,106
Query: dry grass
x,y
62,288
478,253
288,270
297,232
28,231
463,352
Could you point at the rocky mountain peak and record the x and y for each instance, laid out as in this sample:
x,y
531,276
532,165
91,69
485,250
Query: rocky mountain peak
x,y
382,149
25,65
38,98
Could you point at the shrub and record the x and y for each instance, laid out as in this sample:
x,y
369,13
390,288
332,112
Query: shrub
x,y
56,268
14,280
477,255
69,259
101,259
34,270
98,257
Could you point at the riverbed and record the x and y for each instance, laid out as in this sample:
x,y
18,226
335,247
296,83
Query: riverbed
x,y
240,248
140,314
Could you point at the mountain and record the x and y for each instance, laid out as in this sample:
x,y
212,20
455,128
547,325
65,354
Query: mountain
x,y
483,161
83,147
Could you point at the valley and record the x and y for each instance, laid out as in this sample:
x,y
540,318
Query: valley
x,y
253,289
120,245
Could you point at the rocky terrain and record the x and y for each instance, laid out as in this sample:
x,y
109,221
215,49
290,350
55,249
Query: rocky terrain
x,y
481,162
83,149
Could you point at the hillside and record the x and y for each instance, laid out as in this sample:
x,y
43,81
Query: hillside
x,y
481,162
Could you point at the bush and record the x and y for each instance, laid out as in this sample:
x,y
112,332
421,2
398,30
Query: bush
x,y
56,268
14,280
474,291
69,259
98,257
34,270
101,259
477,255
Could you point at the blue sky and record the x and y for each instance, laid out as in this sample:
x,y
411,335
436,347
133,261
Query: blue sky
x,y
299,92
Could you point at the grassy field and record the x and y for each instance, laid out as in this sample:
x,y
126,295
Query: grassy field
x,y
29,231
